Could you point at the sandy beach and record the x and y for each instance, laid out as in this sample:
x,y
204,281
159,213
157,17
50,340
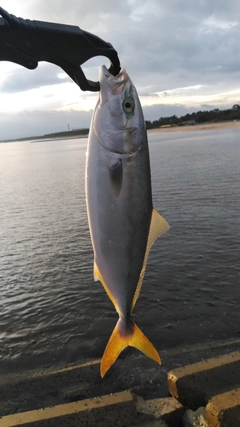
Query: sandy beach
x,y
204,126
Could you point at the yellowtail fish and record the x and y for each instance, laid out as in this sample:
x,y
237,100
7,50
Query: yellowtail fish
x,y
123,223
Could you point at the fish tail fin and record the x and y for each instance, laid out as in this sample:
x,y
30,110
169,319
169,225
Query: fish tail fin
x,y
123,337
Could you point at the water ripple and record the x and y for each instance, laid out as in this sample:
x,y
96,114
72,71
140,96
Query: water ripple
x,y
50,307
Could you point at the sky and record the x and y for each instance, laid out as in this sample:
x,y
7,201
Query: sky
x,y
182,56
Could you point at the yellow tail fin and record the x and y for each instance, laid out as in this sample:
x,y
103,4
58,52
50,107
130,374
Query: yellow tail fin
x,y
120,339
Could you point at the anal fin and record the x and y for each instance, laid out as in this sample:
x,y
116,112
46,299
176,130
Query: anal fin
x,y
98,276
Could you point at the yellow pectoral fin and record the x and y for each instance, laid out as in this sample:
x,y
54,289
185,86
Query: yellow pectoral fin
x,y
119,340
158,226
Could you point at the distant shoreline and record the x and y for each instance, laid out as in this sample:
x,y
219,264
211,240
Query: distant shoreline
x,y
195,127
57,138
174,128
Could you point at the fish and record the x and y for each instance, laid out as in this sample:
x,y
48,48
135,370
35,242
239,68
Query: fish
x,y
122,221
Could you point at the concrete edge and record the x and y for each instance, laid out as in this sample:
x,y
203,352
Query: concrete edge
x,y
116,409
67,409
205,365
224,409
200,374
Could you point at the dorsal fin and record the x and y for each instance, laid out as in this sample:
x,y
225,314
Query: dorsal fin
x,y
158,226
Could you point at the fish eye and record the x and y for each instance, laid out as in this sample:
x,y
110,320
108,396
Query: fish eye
x,y
128,105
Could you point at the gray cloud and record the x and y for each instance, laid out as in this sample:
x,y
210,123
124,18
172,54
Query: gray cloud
x,y
154,34
34,123
180,43
163,110
163,45
21,79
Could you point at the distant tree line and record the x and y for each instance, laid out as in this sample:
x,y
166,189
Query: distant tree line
x,y
63,134
215,115
75,132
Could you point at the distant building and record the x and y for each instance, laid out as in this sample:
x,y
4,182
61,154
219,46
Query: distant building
x,y
188,123
166,126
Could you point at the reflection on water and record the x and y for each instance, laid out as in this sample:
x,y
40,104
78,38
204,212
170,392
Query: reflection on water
x,y
50,307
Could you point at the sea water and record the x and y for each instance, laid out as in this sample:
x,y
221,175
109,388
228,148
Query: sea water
x,y
52,311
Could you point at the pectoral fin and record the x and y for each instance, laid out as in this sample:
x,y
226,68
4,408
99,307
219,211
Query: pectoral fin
x,y
158,226
116,176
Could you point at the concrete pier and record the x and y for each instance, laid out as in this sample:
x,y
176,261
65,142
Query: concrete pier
x,y
134,392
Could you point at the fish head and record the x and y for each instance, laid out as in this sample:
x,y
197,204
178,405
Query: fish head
x,y
118,119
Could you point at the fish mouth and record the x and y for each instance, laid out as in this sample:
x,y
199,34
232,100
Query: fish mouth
x,y
115,83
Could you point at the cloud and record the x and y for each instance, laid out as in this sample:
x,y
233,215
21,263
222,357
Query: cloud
x,y
156,37
212,24
163,45
153,35
168,110
21,79
34,123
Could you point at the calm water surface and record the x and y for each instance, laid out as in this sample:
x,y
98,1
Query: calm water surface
x,y
52,311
